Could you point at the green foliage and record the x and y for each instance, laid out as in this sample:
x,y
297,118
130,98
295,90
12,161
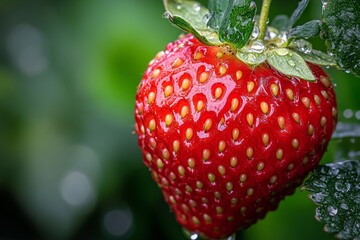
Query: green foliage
x,y
297,13
236,23
317,57
307,30
190,16
335,188
280,22
341,31
290,63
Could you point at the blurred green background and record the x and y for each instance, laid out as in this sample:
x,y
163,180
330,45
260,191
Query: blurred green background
x,y
70,167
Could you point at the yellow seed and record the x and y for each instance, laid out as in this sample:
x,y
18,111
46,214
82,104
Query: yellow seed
x,y
221,169
279,153
222,121
243,209
172,200
306,102
166,154
211,177
296,117
195,220
295,143
274,89
159,163
260,166
198,55
151,97
249,152
222,145
184,111
177,63
264,107
317,100
172,176
185,207
305,160
192,203
265,139
325,81
152,125
181,170
234,201
233,161
325,94
152,143
218,92
207,218
207,124
250,191
189,133
199,185
176,146
217,195
273,179
250,86
155,73
235,133
148,157
222,70
290,167
234,104
323,121
142,129
229,186
191,163
204,77
311,129
281,122
243,178
219,54
169,119
250,119
199,105
290,94
334,111
168,90
206,154
219,210
159,55
185,84
239,75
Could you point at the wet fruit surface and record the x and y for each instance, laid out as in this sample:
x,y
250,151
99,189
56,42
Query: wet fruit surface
x,y
226,142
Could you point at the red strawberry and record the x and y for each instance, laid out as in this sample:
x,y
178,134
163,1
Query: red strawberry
x,y
226,142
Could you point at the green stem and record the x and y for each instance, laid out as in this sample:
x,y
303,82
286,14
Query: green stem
x,y
264,15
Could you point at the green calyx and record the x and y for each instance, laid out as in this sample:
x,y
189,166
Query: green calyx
x,y
234,23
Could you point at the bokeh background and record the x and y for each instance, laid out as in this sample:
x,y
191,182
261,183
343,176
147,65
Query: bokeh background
x,y
69,163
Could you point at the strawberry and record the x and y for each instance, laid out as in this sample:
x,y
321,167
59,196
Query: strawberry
x,y
226,141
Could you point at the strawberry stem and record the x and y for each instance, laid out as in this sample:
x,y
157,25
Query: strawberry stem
x,y
264,15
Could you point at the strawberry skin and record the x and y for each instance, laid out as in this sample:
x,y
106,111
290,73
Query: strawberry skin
x,y
226,142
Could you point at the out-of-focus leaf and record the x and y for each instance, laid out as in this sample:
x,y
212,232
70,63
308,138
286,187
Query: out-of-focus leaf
x,y
341,31
298,12
307,30
335,188
281,22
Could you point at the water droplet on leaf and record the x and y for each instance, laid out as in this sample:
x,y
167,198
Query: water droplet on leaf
x,y
343,187
332,211
291,63
282,51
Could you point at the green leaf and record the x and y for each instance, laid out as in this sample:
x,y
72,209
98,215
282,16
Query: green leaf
x,y
298,12
341,31
251,58
307,30
317,57
189,16
280,22
335,188
217,9
238,23
289,63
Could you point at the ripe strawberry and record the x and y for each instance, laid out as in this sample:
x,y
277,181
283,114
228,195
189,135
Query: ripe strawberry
x,y
226,142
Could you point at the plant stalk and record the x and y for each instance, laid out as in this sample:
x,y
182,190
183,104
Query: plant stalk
x,y
264,15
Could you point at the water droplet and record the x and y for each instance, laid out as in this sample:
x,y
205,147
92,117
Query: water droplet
x,y
357,115
197,7
178,6
258,46
348,113
282,51
344,206
332,211
207,18
343,187
318,197
291,63
166,15
255,32
304,46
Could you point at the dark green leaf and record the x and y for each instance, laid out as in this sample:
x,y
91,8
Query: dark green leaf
x,y
341,31
335,188
307,30
289,63
189,16
281,22
298,12
317,57
237,24
217,9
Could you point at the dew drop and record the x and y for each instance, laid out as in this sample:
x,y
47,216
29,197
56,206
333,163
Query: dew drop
x,y
344,206
197,7
348,113
332,211
282,51
342,187
255,32
258,46
166,15
304,46
291,63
